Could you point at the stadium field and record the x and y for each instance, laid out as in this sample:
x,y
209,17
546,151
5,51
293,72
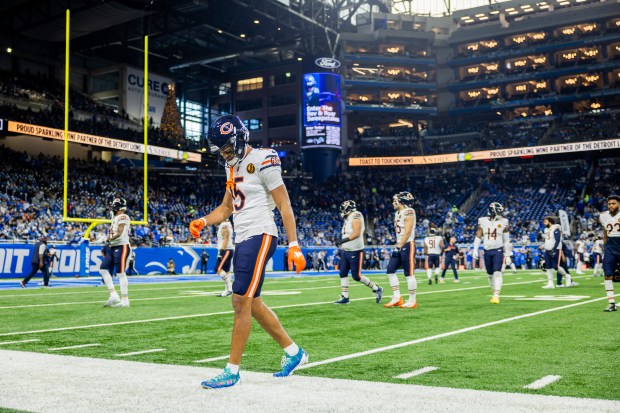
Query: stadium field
x,y
455,339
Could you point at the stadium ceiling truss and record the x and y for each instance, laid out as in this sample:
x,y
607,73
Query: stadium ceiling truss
x,y
188,37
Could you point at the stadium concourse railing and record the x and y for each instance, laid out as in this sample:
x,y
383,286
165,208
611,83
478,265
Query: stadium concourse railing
x,y
83,259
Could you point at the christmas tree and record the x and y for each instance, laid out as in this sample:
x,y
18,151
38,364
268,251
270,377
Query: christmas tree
x,y
171,119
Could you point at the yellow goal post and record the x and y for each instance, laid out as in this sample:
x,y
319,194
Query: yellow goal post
x,y
95,221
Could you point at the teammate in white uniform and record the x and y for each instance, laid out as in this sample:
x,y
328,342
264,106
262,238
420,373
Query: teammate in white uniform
x,y
225,252
404,252
597,256
352,257
118,238
493,233
580,249
253,190
610,221
553,253
509,257
433,247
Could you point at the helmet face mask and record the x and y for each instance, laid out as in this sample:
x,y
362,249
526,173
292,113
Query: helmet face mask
x,y
495,209
347,207
118,204
228,138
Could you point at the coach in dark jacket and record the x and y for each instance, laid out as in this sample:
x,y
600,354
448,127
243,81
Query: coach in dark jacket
x,y
40,258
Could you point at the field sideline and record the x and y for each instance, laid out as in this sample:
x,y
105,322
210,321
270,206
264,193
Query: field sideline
x,y
536,342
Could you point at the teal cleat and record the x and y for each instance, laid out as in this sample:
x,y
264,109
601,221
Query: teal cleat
x,y
226,379
290,363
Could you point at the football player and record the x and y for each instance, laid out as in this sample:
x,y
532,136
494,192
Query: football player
x,y
610,221
580,248
451,255
225,252
118,258
253,190
352,245
597,256
403,255
509,257
553,252
433,246
493,233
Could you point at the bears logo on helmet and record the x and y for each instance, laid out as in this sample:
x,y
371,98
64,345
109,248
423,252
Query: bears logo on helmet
x,y
228,133
347,207
495,209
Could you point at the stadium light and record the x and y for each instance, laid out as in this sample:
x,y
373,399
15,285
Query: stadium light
x,y
9,50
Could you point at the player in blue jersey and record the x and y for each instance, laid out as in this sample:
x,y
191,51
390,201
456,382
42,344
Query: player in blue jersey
x,y
610,221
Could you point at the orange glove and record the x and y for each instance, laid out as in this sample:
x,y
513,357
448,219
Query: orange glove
x,y
196,226
295,256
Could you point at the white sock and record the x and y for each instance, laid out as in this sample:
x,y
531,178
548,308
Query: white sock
x,y
366,281
491,282
107,279
344,286
412,285
429,273
292,350
497,283
550,277
224,276
393,279
568,278
514,268
609,288
562,272
122,280
234,368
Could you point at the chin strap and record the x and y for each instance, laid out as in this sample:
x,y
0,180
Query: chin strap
x,y
230,184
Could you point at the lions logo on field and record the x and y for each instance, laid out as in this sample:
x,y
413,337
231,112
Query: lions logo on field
x,y
251,168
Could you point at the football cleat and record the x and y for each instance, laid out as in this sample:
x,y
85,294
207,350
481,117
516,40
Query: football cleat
x,y
572,284
548,285
121,304
611,308
457,281
290,363
442,281
409,304
112,301
225,293
342,300
379,293
22,284
226,379
430,282
396,302
494,300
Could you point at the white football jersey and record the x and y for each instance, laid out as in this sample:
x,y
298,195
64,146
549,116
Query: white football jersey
x,y
347,229
580,246
255,177
220,236
492,231
433,244
550,239
399,223
611,224
117,220
598,246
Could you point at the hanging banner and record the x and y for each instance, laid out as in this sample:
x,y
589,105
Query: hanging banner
x,y
134,94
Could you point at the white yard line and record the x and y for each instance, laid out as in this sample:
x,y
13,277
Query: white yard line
x,y
49,330
137,353
543,382
417,372
72,347
226,357
444,335
148,387
32,340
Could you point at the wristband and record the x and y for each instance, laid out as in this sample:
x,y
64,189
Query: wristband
x,y
293,244
204,220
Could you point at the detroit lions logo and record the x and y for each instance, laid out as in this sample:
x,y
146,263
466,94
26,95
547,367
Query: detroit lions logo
x,y
226,128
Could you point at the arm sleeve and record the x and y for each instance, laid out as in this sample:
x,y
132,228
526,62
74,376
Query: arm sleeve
x,y
477,242
557,235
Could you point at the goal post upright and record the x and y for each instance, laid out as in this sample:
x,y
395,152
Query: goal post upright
x,y
95,221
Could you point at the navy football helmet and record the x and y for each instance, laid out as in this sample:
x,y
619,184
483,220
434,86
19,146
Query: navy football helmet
x,y
404,198
118,204
347,207
228,133
432,231
495,209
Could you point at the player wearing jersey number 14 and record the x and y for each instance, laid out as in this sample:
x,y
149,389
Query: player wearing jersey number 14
x,y
253,190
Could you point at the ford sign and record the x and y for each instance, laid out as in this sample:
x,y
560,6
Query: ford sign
x,y
327,63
